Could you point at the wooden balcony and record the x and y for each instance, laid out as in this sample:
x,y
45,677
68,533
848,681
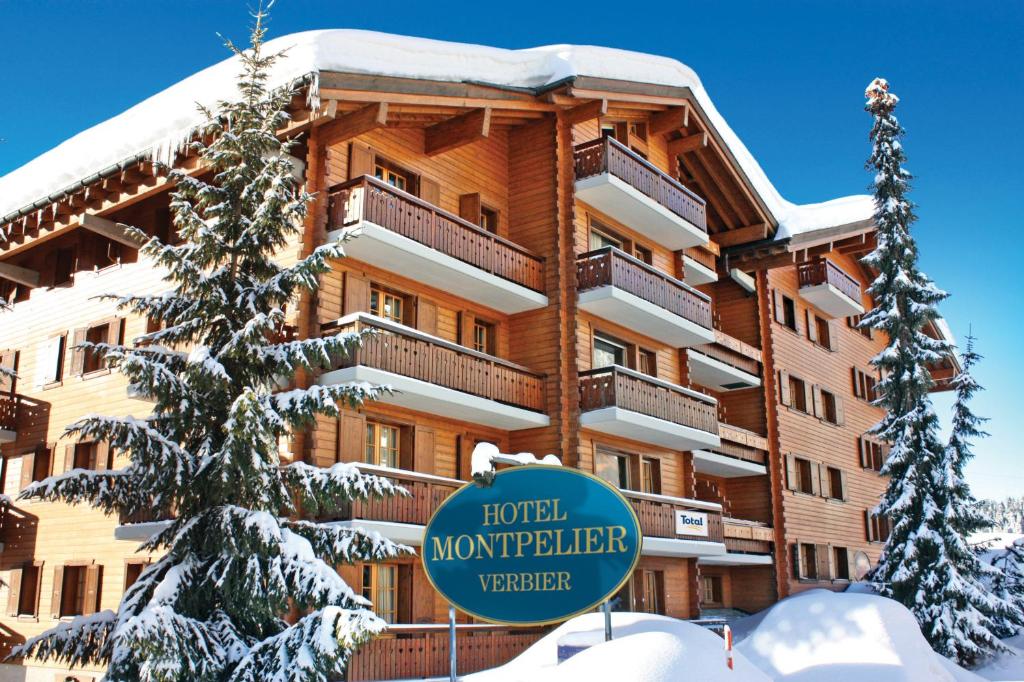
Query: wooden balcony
x,y
657,514
740,453
430,374
10,405
613,179
748,537
399,232
625,290
726,364
426,493
824,285
626,403
699,266
407,652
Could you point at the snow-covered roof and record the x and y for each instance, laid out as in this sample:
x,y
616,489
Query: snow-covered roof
x,y
156,126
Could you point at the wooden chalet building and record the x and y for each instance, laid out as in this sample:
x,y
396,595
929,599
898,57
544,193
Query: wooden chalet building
x,y
583,261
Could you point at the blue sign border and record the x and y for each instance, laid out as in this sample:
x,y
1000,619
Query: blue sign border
x,y
600,481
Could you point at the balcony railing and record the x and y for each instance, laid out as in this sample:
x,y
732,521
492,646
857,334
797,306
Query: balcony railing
x,y
742,444
426,493
609,266
608,155
748,537
369,199
657,514
417,651
9,404
733,352
400,350
630,390
825,271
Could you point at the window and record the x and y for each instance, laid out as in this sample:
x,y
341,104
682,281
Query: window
x,y
608,352
79,590
387,304
650,475
93,357
711,590
643,254
650,592
785,310
393,175
853,322
380,586
836,483
613,468
483,337
820,331
23,585
841,563
808,562
805,476
829,407
865,386
878,526
382,443
132,571
489,219
65,261
91,455
86,361
798,392
648,362
873,452
802,475
41,464
600,239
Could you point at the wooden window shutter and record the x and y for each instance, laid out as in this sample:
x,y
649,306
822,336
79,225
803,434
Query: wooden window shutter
x,y
78,354
780,308
784,394
798,320
470,207
830,561
792,477
799,570
357,294
858,385
69,459
844,493
403,593
809,396
869,525
360,160
91,602
824,484
840,412
819,409
426,316
8,359
58,585
406,448
424,450
14,591
430,191
466,321
864,448
114,330
102,461
815,478
833,337
28,463
821,562
812,328
351,437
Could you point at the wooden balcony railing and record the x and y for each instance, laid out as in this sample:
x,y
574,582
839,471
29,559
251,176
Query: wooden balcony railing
x,y
426,492
416,651
733,352
825,271
742,444
657,514
702,256
9,404
609,266
398,349
748,537
630,390
608,155
366,198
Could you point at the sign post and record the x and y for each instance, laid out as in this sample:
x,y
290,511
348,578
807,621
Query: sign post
x,y
607,620
452,653
540,545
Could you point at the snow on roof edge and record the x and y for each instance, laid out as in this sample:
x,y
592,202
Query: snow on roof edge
x,y
158,125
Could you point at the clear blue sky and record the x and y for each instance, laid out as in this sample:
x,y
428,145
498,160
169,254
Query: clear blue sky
x,y
788,76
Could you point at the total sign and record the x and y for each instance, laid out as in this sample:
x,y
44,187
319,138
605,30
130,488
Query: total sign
x,y
539,545
691,523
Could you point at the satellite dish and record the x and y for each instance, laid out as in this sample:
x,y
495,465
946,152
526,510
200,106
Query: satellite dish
x,y
861,565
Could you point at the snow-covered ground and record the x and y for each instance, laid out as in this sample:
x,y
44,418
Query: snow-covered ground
x,y
816,636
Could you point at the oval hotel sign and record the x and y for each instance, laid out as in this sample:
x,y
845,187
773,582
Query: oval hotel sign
x,y
541,544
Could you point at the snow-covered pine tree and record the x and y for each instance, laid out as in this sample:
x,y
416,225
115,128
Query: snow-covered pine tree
x,y
1008,584
926,564
234,561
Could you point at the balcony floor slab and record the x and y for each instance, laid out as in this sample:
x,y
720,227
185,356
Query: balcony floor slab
x,y
8,436
628,310
396,253
633,208
418,395
715,374
737,559
695,273
673,547
643,428
714,464
828,299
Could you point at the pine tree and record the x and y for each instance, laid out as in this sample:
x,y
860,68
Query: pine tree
x,y
926,564
1008,585
234,560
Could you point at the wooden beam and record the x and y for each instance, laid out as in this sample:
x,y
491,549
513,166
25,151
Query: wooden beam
x,y
742,235
669,120
20,275
712,193
355,123
690,143
118,232
458,131
586,112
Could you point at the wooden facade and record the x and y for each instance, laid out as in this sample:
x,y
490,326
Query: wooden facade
x,y
783,480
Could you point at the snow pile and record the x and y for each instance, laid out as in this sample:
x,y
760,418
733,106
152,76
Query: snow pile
x,y
1008,666
646,648
823,636
486,455
158,125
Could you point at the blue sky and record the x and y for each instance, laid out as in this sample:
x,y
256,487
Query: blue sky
x,y
788,76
